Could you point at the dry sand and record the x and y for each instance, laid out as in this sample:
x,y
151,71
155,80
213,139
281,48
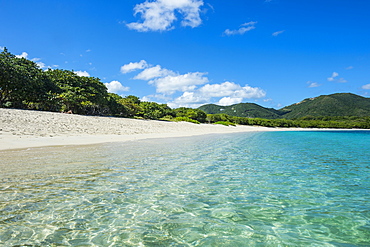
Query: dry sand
x,y
25,129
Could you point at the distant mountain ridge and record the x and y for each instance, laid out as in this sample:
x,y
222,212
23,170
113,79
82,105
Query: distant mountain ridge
x,y
242,110
338,104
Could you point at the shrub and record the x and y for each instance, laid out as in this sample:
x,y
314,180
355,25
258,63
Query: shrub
x,y
226,123
186,119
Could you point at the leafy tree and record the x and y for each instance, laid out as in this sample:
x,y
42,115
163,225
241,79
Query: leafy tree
x,y
115,108
131,106
213,118
194,114
21,81
152,110
82,95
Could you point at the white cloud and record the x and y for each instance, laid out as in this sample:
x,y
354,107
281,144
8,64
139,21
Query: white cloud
x,y
188,99
231,89
2,48
146,99
332,78
313,84
229,101
23,55
82,73
41,65
133,66
277,33
229,92
366,87
159,15
115,87
244,28
187,82
219,90
349,67
168,82
153,72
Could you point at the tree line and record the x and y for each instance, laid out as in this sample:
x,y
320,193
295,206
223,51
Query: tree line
x,y
23,85
338,122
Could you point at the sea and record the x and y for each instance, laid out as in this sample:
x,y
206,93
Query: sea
x,y
281,188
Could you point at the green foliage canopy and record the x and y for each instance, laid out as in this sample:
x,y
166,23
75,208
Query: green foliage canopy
x,y
21,82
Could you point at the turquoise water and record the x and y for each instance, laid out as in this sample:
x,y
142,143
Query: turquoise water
x,y
250,189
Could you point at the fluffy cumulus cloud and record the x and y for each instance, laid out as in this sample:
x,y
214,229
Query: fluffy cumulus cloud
x,y
366,87
232,90
153,72
2,48
23,55
116,87
229,101
82,73
242,30
160,15
187,82
166,81
228,93
127,68
193,87
42,65
189,99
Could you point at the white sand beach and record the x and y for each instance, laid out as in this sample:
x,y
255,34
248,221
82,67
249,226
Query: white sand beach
x,y
26,129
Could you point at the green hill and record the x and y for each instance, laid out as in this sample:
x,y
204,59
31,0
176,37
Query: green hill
x,y
339,104
242,110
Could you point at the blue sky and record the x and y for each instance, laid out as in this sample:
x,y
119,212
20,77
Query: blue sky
x,y
192,52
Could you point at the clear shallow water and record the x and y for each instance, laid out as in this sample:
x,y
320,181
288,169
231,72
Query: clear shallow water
x,y
252,189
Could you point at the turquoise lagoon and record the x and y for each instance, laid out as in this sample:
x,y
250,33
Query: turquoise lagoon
x,y
309,188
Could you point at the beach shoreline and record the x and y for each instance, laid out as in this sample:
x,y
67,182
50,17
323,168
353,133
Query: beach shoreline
x,y
20,129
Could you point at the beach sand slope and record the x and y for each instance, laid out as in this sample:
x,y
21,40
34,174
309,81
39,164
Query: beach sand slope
x,y
26,128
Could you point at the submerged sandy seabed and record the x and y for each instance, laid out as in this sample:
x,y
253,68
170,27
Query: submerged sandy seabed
x,y
25,129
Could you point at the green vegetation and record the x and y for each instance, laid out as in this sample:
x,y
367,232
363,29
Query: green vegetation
x,y
24,85
341,110
226,123
334,105
306,122
185,119
340,104
250,110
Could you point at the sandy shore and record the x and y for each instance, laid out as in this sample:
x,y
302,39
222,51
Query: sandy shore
x,y
25,129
